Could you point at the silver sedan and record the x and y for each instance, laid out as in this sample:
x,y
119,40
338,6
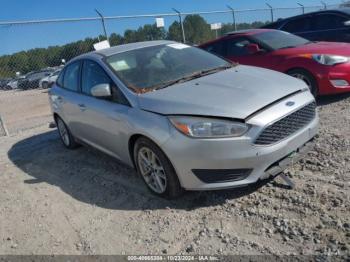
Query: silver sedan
x,y
184,118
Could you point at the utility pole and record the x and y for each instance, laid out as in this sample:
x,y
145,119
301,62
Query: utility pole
x,y
182,26
302,7
271,11
103,24
233,17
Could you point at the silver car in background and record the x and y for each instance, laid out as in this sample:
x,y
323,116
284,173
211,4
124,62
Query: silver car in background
x,y
48,81
184,118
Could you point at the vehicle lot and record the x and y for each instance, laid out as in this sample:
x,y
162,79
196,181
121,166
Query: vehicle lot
x,y
55,201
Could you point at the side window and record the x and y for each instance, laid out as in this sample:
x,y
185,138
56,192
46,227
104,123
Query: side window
x,y
298,25
60,79
328,21
71,77
215,48
92,75
237,46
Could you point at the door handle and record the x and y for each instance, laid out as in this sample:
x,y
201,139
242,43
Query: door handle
x,y
60,99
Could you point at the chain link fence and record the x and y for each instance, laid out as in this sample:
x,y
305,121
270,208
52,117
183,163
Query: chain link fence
x,y
33,52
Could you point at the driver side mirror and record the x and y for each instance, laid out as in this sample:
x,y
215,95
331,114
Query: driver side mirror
x,y
101,90
347,23
253,49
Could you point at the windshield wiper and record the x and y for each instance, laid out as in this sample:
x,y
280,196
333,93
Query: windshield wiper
x,y
192,76
216,69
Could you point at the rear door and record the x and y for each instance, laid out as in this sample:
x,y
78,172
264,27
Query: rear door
x,y
69,98
103,120
301,26
331,27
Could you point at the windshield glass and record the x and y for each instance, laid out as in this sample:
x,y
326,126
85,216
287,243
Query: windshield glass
x,y
280,39
151,67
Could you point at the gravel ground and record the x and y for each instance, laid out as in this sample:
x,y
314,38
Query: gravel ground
x,y
21,110
55,201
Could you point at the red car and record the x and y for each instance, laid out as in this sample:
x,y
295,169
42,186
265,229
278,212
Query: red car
x,y
324,66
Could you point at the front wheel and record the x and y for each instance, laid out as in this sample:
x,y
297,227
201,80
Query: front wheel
x,y
155,169
307,77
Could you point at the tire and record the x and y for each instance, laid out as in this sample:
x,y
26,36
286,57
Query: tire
x,y
66,136
307,77
160,178
45,85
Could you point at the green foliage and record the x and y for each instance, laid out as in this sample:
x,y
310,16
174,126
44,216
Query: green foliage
x,y
197,31
174,32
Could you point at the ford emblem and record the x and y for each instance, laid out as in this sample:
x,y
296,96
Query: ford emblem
x,y
290,103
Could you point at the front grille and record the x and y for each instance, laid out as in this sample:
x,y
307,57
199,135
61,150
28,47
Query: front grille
x,y
287,126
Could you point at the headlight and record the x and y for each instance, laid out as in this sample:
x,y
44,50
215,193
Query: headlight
x,y
330,59
207,127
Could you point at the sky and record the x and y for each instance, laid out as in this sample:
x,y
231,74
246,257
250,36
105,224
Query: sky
x,y
24,37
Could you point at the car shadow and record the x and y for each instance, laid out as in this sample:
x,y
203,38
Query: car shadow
x,y
97,179
329,99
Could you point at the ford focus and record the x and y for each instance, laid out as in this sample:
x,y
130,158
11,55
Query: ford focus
x,y
184,118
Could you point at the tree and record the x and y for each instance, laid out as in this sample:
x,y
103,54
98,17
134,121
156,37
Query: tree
x,y
174,32
197,29
116,39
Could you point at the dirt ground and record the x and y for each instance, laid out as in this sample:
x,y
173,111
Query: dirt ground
x,y
21,110
56,201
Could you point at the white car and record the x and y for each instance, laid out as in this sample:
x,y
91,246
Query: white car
x,y
47,81
13,84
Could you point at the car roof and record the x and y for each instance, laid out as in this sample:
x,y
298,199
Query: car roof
x,y
248,32
122,48
283,20
237,33
132,46
339,10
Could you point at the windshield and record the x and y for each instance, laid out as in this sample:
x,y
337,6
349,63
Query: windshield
x,y
158,66
280,39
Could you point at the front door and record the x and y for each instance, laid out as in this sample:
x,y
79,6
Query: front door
x,y
103,120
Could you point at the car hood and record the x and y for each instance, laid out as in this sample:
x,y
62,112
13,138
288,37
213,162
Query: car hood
x,y
234,93
325,48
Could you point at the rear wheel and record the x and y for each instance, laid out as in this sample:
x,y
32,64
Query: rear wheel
x,y
307,77
155,169
65,135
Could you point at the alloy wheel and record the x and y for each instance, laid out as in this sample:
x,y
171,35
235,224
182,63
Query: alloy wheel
x,y
152,170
